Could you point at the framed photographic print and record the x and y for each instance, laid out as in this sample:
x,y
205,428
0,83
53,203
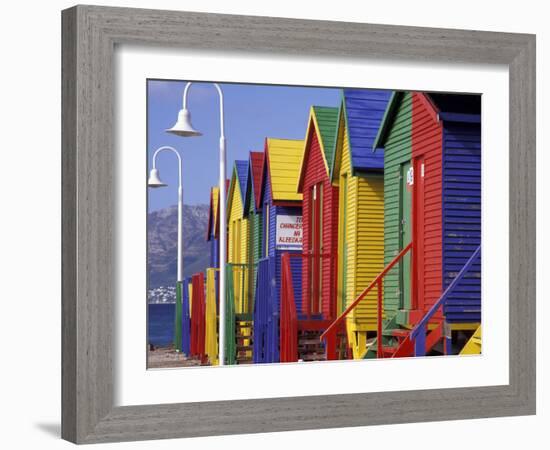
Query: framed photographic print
x,y
322,233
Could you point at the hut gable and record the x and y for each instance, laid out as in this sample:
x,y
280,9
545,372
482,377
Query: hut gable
x,y
322,126
213,209
238,227
256,173
283,162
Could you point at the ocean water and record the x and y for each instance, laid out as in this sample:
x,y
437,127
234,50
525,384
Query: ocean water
x,y
160,326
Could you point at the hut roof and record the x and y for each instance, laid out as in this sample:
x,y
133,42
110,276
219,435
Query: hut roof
x,y
363,111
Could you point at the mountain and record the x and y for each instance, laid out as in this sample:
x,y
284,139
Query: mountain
x,y
162,240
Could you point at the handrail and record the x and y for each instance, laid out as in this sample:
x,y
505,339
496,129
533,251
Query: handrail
x,y
376,282
420,339
289,317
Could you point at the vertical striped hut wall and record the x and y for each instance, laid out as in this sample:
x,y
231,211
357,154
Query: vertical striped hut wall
x,y
427,142
364,237
316,172
348,203
370,245
238,244
397,151
462,217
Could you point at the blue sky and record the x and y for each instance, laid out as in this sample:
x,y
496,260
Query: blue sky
x,y
252,113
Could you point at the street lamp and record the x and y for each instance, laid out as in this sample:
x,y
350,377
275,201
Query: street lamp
x,y
154,181
183,128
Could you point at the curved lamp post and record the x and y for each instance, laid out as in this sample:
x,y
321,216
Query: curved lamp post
x,y
154,181
184,128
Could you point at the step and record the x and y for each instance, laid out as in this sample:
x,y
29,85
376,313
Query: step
x,y
389,350
400,332
312,357
309,341
245,361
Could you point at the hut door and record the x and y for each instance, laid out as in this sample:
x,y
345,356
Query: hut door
x,y
418,232
405,200
316,249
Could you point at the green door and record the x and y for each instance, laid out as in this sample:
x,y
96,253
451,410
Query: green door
x,y
405,202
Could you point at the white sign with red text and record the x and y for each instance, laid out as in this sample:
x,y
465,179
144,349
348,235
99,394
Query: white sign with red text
x,y
288,233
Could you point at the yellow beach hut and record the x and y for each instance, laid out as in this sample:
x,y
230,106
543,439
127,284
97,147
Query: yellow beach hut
x,y
359,175
239,299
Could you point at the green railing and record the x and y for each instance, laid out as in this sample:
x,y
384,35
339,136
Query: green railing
x,y
239,304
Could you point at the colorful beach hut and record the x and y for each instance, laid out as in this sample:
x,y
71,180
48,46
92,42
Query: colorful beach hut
x,y
320,229
358,173
432,187
253,211
281,207
239,302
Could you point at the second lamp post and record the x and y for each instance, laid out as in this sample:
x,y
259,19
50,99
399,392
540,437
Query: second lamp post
x,y
155,182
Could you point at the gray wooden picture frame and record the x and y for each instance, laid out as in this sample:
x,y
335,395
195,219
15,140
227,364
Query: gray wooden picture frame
x,y
90,34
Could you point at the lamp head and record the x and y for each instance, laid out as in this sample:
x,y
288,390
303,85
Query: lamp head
x,y
183,126
154,180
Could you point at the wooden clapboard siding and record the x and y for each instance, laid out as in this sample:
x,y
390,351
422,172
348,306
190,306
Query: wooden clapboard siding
x,y
397,150
462,217
427,144
350,252
370,243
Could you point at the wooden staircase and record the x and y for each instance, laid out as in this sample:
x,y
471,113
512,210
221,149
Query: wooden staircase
x,y
473,346
312,348
394,340
244,332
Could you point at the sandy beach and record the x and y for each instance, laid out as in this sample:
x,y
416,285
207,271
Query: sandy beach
x,y
167,357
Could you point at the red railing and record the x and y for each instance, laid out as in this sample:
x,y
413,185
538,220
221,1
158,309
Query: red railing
x,y
330,332
289,318
288,338
198,310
